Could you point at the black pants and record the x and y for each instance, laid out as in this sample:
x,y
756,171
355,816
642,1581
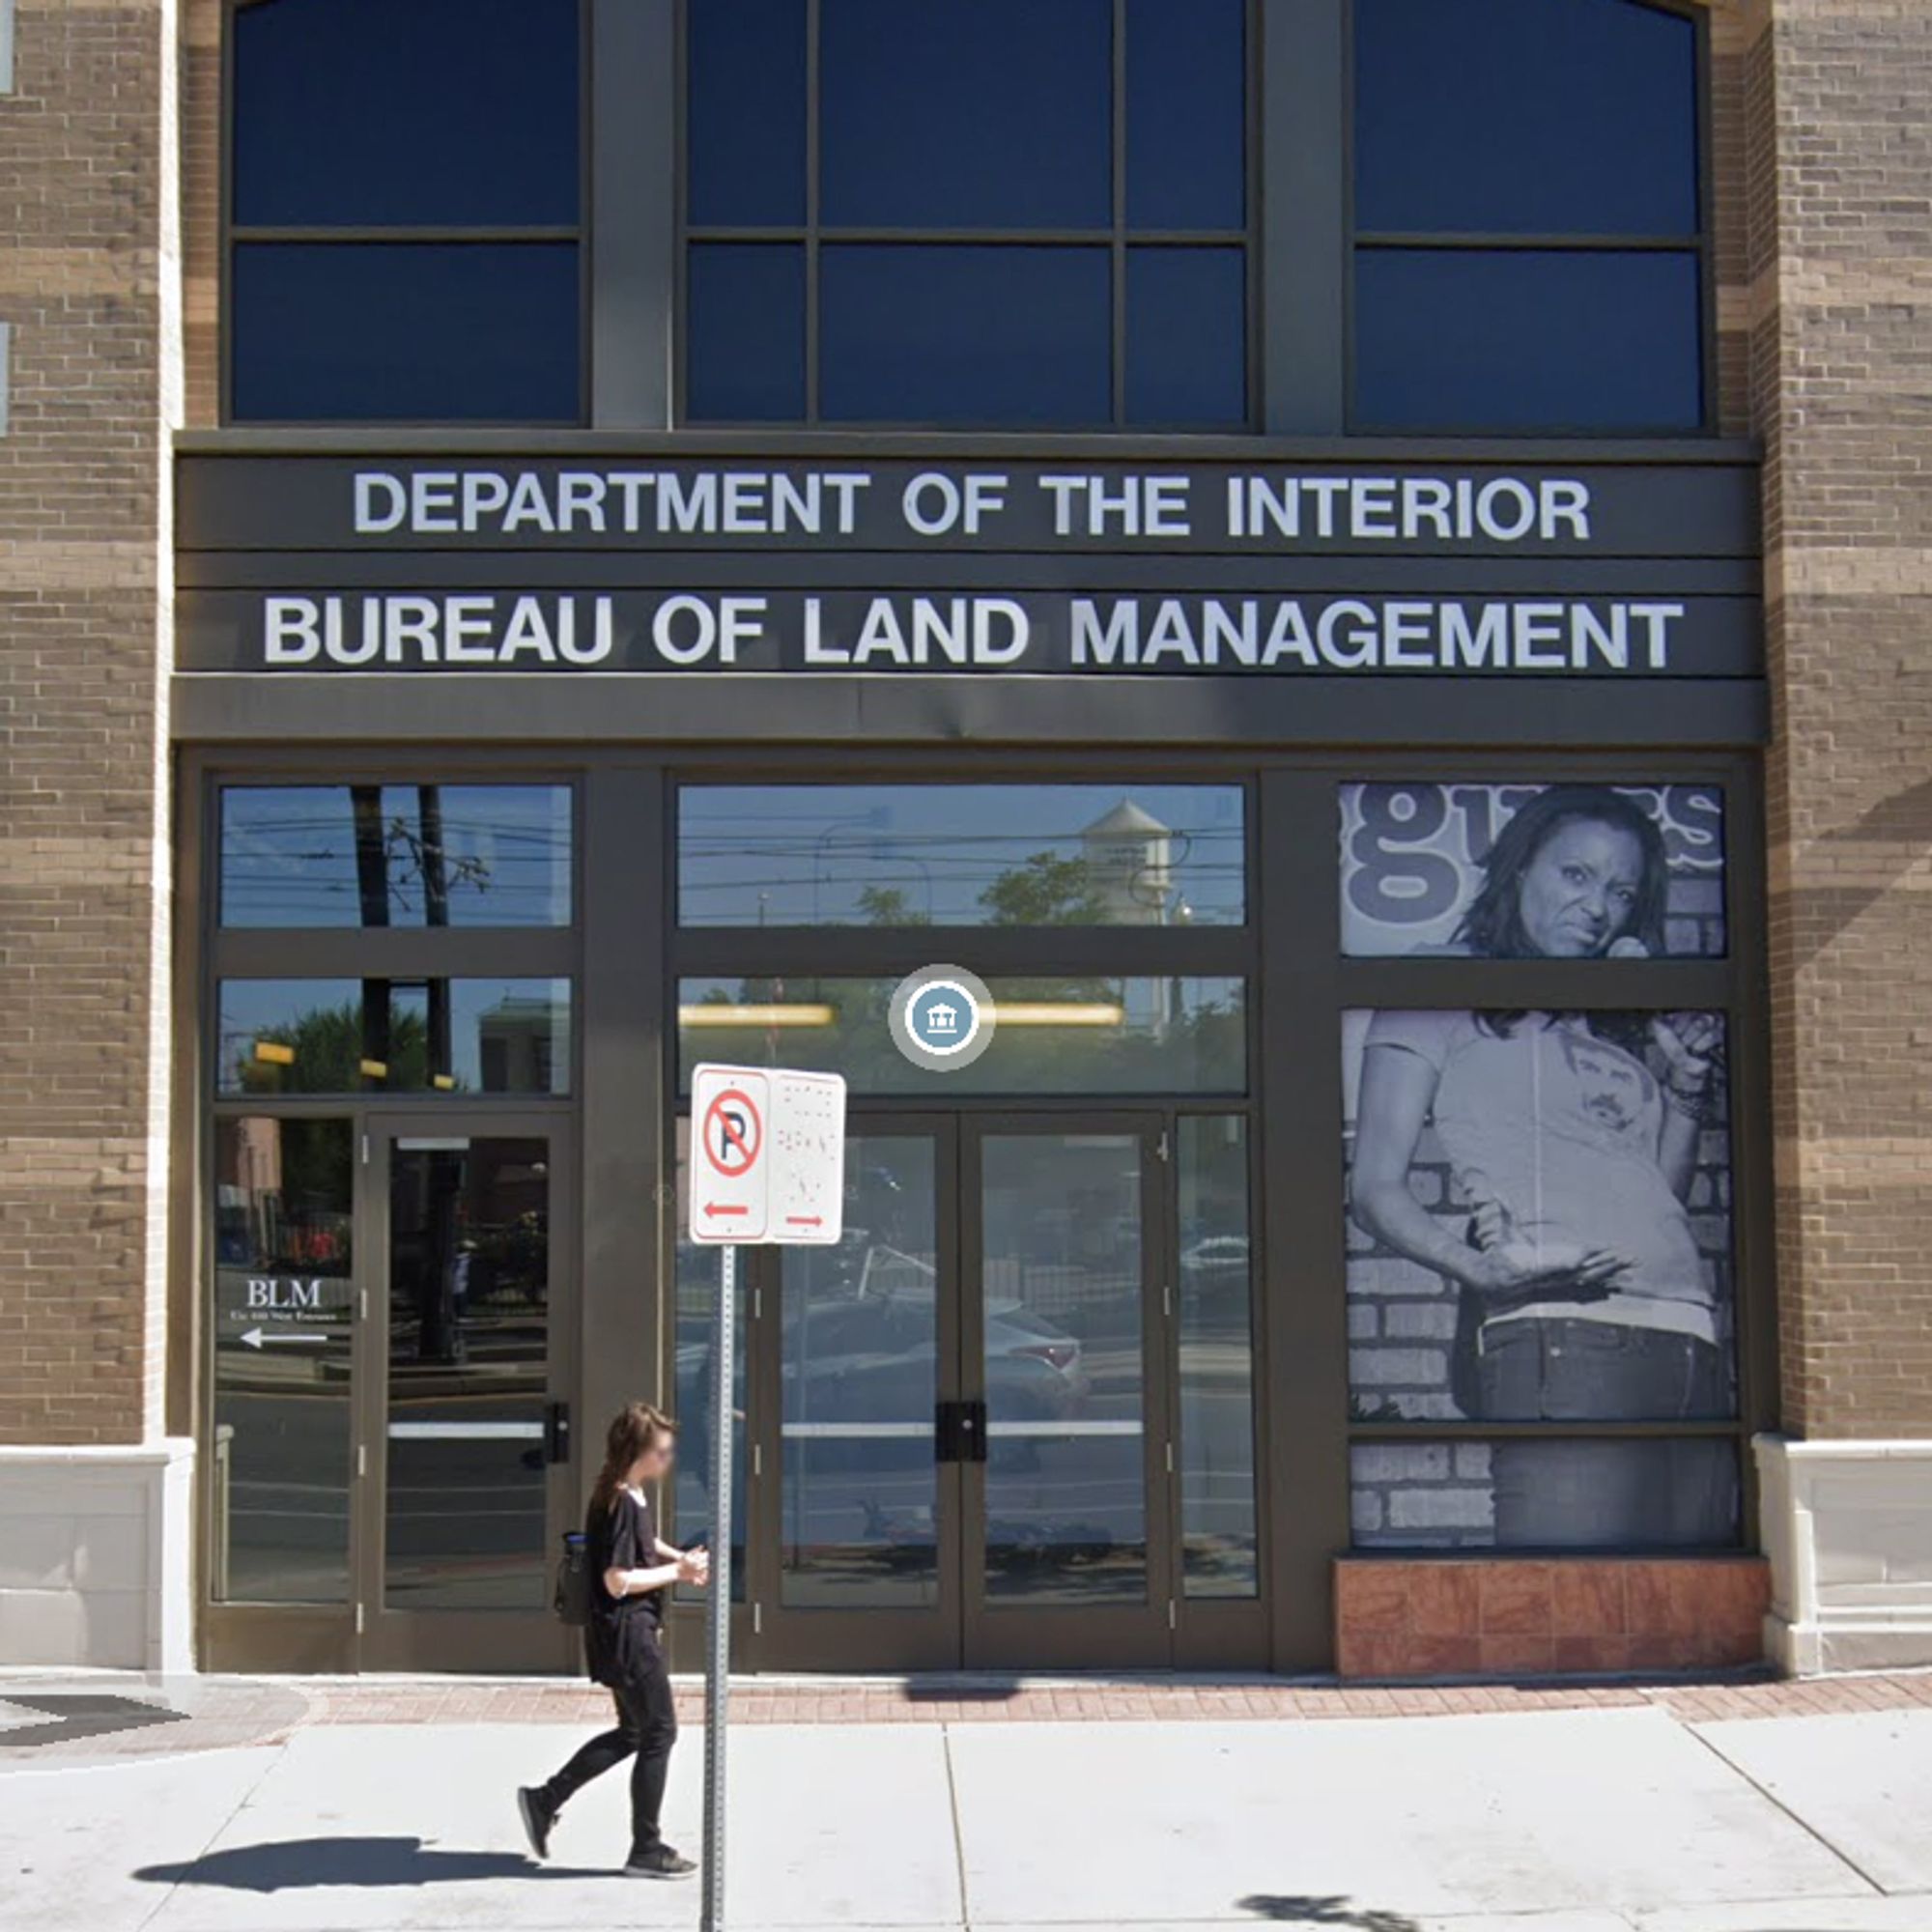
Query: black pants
x,y
647,1730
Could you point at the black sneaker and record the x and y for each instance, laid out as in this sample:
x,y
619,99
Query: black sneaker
x,y
538,1815
661,1861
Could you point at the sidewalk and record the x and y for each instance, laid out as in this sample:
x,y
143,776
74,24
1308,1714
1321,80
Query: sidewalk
x,y
365,1805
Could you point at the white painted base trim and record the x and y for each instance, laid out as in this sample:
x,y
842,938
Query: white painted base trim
x,y
96,1564
1848,1529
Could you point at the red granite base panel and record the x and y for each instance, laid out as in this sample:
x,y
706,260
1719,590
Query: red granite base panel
x,y
1500,1617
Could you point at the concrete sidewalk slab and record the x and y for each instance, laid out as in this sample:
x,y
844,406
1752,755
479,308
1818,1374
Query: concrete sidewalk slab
x,y
1825,1915
1864,1782
1569,1811
71,1840
382,1830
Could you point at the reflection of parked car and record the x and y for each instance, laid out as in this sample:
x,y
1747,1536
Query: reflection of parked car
x,y
1216,1259
1214,1282
875,1359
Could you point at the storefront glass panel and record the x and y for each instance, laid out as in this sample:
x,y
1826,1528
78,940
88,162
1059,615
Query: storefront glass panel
x,y
458,1036
859,1384
1061,1260
469,1378
694,1291
1093,1034
395,855
284,1322
1215,1316
1043,855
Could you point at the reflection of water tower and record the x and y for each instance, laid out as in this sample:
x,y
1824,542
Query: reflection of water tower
x,y
1130,856
1130,859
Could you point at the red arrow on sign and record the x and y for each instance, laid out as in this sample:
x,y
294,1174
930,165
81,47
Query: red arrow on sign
x,y
725,1208
805,1220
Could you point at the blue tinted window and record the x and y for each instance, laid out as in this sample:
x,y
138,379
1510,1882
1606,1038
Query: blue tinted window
x,y
1013,335
1186,335
745,109
1186,113
994,114
373,112
1536,117
1526,340
390,331
745,353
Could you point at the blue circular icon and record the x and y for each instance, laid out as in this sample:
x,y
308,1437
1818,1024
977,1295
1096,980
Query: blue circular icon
x,y
942,1017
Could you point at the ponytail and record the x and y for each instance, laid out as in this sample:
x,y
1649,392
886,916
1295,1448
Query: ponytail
x,y
635,1430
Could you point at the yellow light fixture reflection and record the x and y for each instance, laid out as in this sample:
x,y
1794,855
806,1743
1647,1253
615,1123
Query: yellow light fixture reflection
x,y
1059,1013
271,1053
798,1015
374,1070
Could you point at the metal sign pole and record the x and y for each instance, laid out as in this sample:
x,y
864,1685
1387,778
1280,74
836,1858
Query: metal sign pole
x,y
717,1627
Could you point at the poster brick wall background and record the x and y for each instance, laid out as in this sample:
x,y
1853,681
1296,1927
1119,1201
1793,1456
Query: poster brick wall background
x,y
85,197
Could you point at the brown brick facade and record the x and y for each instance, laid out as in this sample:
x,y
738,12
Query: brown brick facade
x,y
87,181
1842,268
1821,166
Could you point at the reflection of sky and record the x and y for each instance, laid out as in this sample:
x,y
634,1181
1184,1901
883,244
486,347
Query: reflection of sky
x,y
801,855
251,1009
288,855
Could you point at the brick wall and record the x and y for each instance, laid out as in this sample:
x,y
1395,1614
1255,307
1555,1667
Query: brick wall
x,y
1840,182
86,177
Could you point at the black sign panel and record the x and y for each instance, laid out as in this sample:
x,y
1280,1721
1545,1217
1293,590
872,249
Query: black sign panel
x,y
1345,508
982,567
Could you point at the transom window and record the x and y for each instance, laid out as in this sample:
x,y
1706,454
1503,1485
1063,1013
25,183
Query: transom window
x,y
405,211
1382,216
1001,213
1527,248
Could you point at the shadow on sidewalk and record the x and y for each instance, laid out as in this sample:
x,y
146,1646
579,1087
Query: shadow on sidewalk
x,y
296,1864
1339,1910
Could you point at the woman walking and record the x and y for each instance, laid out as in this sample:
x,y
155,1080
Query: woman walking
x,y
630,1568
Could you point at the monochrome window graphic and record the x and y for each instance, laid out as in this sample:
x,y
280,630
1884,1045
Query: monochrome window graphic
x,y
1533,871
1540,1203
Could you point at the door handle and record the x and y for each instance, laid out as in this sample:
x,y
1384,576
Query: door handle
x,y
973,1432
557,1432
959,1431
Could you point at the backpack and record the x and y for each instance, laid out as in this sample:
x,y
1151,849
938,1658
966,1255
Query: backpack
x,y
572,1600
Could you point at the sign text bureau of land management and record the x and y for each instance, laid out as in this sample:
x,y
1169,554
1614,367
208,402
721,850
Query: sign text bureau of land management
x,y
332,564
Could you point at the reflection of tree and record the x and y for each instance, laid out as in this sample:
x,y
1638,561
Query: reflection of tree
x,y
330,1043
1045,890
890,905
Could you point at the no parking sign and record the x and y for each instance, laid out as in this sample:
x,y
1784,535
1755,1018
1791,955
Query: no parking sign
x,y
768,1160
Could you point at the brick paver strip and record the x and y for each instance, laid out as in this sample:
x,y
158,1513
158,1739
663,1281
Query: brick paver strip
x,y
348,1701
227,1713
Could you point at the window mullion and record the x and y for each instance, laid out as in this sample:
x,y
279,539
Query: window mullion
x,y
1304,216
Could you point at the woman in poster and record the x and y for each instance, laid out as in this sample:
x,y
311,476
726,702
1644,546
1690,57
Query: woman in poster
x,y
1573,1140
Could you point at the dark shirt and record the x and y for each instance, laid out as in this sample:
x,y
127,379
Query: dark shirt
x,y
621,1630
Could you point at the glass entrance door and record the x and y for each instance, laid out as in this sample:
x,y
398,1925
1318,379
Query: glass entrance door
x,y
961,1409
865,1505
1067,1556
467,1456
